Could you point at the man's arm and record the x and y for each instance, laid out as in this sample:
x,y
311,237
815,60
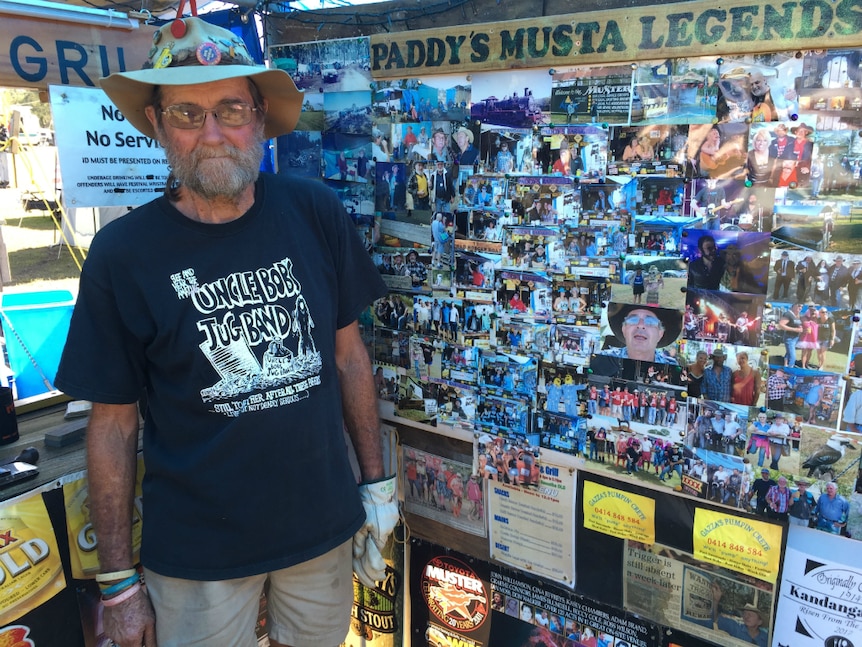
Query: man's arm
x,y
112,446
359,401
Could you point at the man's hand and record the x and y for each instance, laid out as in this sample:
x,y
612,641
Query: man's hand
x,y
131,623
381,517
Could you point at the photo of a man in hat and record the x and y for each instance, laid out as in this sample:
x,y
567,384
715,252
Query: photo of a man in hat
x,y
464,153
153,318
748,625
642,332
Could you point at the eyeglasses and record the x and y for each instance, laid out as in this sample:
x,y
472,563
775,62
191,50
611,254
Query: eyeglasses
x,y
648,321
189,116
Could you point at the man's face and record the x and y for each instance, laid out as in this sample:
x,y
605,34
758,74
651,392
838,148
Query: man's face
x,y
708,249
214,161
781,131
831,490
642,330
758,85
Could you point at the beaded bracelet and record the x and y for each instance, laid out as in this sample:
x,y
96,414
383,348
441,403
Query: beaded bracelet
x,y
119,586
122,597
115,575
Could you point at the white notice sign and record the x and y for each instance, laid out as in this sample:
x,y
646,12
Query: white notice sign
x,y
104,160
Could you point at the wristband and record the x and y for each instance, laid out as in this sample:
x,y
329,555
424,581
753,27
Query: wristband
x,y
115,575
119,586
122,597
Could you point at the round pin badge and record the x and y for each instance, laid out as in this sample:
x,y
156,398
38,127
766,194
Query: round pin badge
x,y
208,54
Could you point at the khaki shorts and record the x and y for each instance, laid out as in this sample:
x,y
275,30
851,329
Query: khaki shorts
x,y
307,605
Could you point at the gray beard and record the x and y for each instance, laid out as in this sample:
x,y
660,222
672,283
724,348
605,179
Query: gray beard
x,y
221,178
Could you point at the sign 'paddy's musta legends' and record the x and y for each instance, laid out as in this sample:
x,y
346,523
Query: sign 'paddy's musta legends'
x,y
656,31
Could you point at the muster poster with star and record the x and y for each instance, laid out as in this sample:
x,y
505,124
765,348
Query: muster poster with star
x,y
451,597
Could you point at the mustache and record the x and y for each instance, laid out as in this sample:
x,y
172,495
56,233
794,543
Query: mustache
x,y
211,152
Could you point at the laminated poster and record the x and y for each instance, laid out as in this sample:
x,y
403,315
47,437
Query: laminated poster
x,y
820,600
31,572
533,528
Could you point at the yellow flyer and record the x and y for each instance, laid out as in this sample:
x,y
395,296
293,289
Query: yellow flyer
x,y
619,513
82,538
739,543
31,572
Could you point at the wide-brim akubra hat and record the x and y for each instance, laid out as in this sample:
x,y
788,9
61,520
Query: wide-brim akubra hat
x,y
466,131
190,51
800,127
751,607
670,319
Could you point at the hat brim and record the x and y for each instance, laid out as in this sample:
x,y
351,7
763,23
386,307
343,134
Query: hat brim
x,y
132,92
670,319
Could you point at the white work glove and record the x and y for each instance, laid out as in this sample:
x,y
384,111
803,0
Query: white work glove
x,y
381,517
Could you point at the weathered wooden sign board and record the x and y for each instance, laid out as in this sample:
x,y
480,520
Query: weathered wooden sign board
x,y
649,32
37,53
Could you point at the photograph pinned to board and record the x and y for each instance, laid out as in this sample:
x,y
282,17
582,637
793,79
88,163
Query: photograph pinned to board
x,y
299,153
417,399
522,338
759,89
674,91
438,488
717,150
648,149
345,64
392,347
456,405
348,112
596,94
303,61
525,296
505,418
504,150
343,156
517,98
558,431
572,345
577,150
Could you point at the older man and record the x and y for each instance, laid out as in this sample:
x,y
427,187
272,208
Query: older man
x,y
748,626
832,510
231,302
802,504
642,332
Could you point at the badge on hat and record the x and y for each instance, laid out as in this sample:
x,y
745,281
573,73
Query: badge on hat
x,y
208,54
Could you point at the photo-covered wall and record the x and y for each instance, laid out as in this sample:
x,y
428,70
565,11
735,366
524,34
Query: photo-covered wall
x,y
646,272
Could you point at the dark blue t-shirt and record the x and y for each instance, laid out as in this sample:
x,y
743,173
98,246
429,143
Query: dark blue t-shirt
x,y
230,330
